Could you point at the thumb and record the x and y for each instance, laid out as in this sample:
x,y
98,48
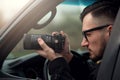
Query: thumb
x,y
43,45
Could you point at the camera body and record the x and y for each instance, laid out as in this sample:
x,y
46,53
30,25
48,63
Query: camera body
x,y
56,42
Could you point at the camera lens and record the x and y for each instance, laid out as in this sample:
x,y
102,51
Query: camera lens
x,y
56,42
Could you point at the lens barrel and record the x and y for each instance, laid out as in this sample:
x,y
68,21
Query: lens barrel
x,y
56,42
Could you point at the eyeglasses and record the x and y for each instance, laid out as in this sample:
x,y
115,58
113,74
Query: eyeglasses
x,y
93,29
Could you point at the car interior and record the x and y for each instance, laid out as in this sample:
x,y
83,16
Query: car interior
x,y
26,67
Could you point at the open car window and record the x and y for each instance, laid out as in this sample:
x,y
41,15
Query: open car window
x,y
66,19
22,20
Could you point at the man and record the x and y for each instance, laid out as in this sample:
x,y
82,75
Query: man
x,y
97,20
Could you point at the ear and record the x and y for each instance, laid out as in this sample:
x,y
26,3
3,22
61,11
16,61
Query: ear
x,y
109,29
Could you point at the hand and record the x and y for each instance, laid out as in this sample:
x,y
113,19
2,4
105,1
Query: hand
x,y
50,54
46,51
66,52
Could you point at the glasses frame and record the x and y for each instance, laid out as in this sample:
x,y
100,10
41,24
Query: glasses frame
x,y
94,29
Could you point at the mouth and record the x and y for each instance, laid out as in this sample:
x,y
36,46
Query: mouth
x,y
90,52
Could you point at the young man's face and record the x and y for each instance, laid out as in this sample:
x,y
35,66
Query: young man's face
x,y
95,36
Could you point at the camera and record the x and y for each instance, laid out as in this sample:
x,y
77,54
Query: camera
x,y
56,42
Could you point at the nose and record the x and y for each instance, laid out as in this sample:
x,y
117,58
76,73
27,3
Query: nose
x,y
84,43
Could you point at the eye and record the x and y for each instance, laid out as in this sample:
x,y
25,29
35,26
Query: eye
x,y
88,34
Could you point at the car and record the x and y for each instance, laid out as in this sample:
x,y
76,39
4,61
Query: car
x,y
43,17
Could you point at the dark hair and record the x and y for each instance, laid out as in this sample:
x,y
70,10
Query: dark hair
x,y
101,8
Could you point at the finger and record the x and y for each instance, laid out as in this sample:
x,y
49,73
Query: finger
x,y
42,44
55,33
67,46
64,35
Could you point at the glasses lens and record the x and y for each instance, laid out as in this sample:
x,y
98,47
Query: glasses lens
x,y
84,35
93,29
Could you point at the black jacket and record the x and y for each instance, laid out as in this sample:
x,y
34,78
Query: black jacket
x,y
79,68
